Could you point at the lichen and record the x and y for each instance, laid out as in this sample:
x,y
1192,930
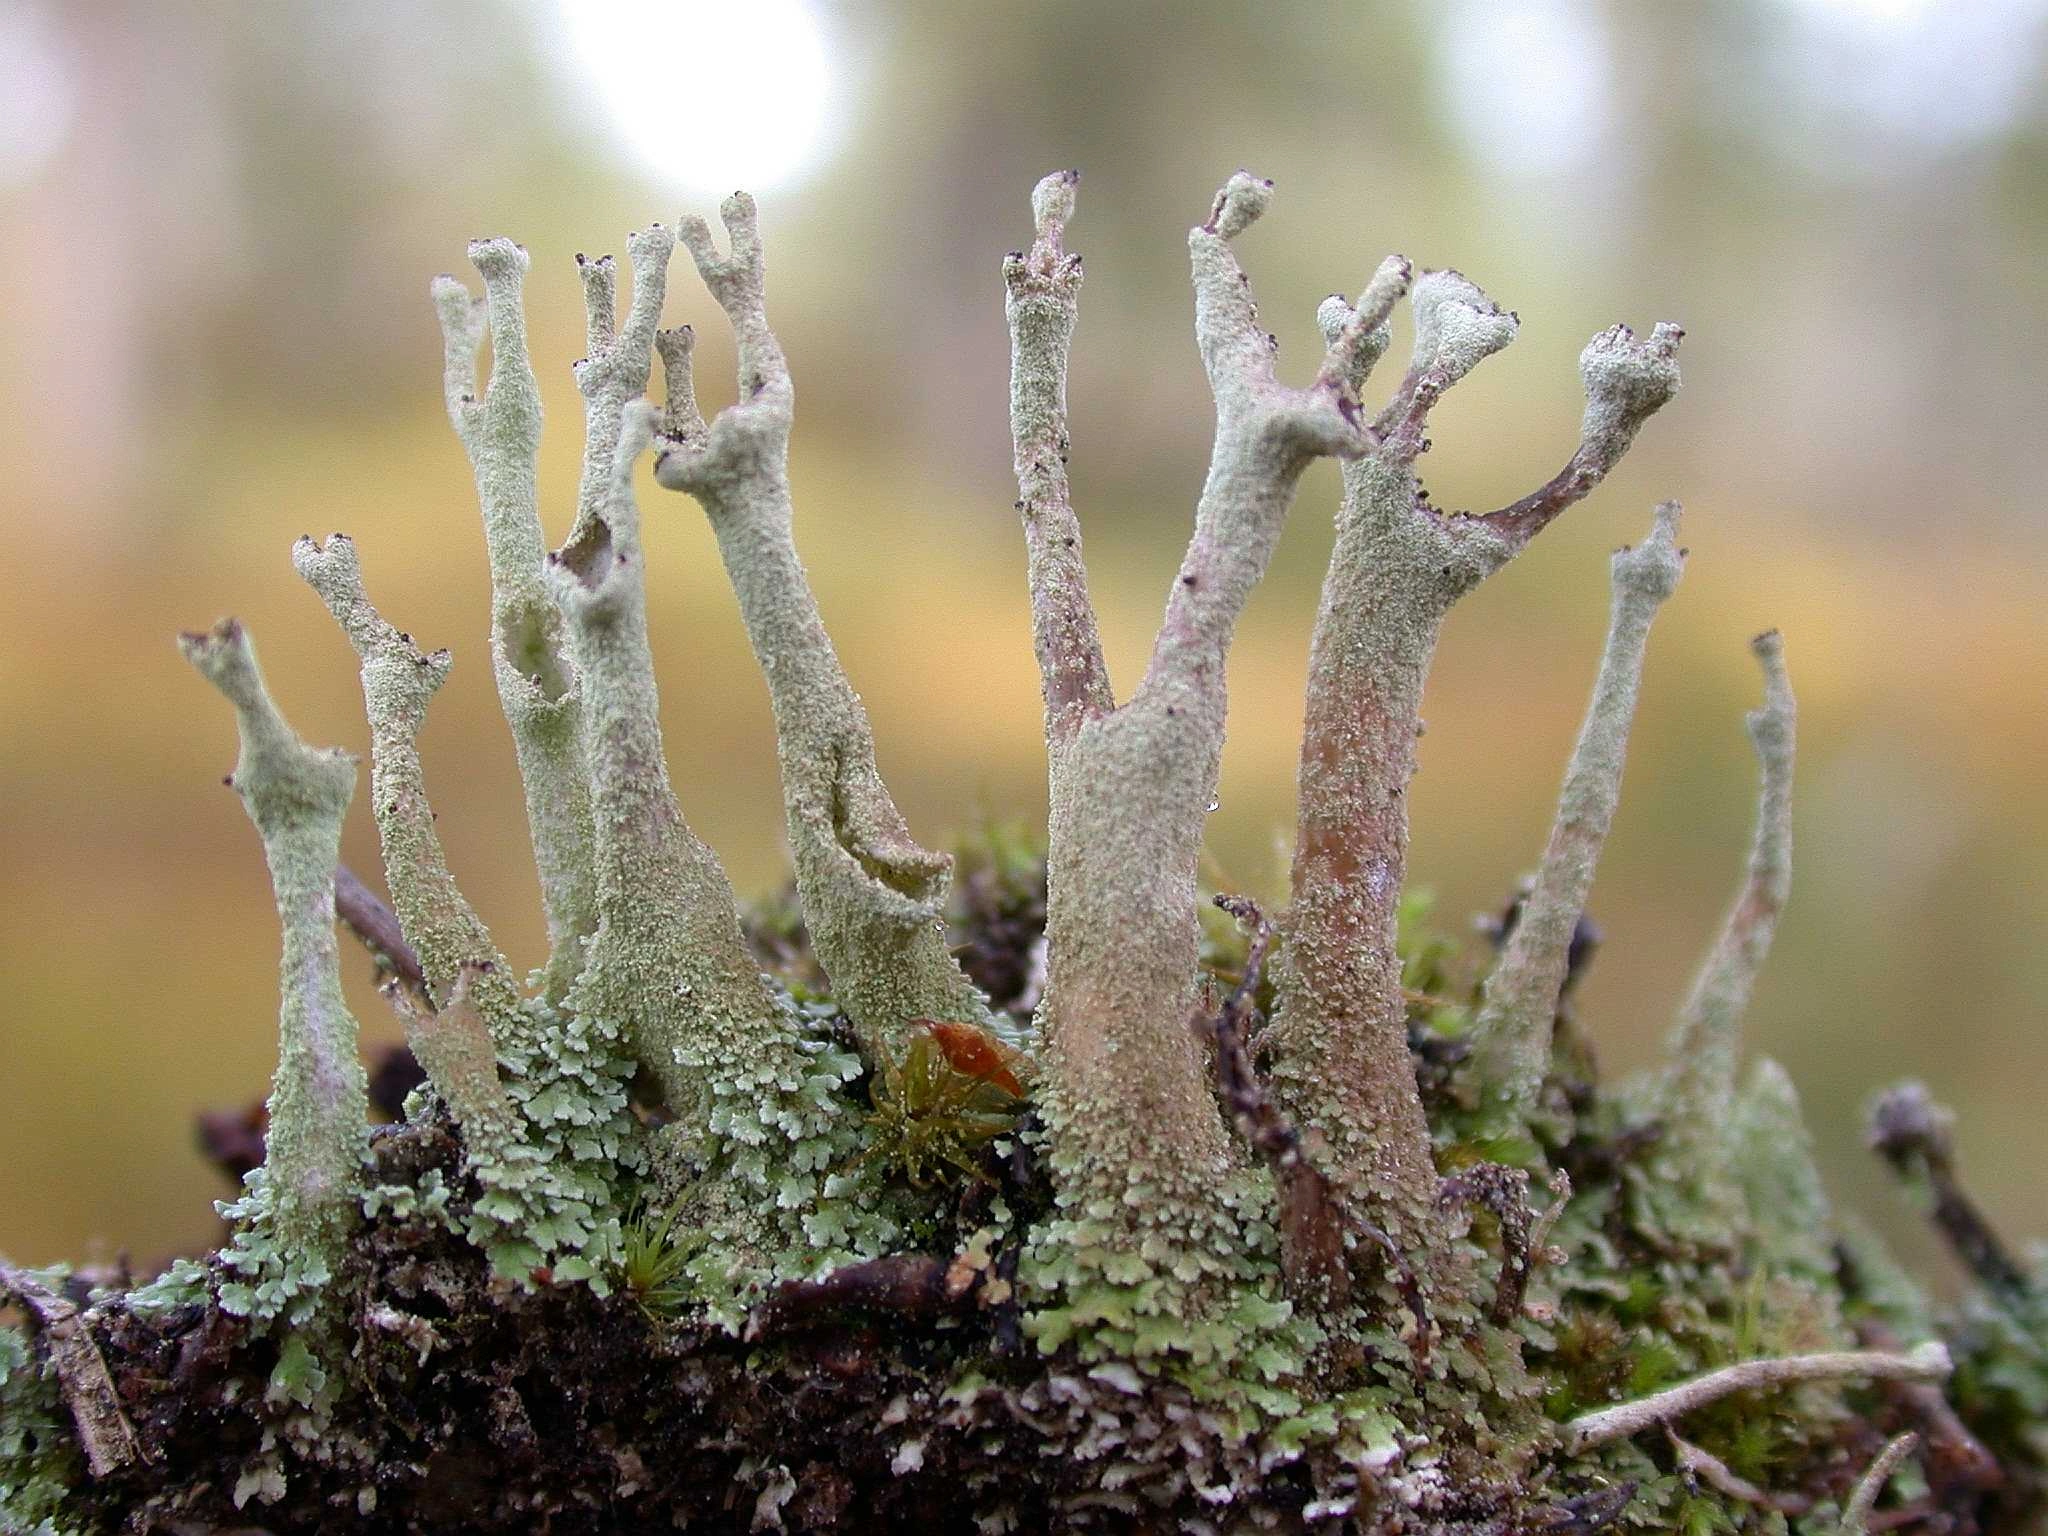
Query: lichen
x,y
291,1224
872,897
1012,1188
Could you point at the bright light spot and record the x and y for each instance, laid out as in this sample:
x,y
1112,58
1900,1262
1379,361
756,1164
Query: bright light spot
x,y
1875,15
36,96
1899,74
709,95
1526,82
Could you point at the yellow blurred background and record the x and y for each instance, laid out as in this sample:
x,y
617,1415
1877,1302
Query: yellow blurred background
x,y
218,222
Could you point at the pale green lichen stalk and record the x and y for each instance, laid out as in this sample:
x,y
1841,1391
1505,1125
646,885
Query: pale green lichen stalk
x,y
536,684
1042,302
1142,1154
473,1008
399,680
873,899
1512,1033
304,1198
1705,1044
668,963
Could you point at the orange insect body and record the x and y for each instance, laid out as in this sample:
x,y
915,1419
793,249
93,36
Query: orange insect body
x,y
974,1052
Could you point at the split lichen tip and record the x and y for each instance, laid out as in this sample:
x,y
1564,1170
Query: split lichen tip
x,y
1631,376
1239,204
1456,325
1651,569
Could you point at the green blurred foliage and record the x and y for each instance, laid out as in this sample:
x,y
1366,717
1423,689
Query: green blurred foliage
x,y
216,336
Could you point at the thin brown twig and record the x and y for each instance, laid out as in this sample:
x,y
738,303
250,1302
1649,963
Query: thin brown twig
x,y
904,1284
1718,1475
103,1429
1313,1216
366,915
1312,1229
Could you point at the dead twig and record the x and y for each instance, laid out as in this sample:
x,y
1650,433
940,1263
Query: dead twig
x,y
1313,1217
104,1432
366,915
909,1285
1718,1475
1587,1512
1960,1470
1915,1134
1312,1225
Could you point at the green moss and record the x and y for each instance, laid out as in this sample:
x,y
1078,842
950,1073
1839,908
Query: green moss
x,y
2002,1367
39,1462
930,1117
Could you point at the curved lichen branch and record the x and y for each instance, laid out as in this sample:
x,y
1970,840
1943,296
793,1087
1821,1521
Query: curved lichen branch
x,y
1706,1041
1627,381
1358,336
1042,290
1513,1030
319,1104
1457,327
1870,1486
1927,1362
873,898
750,439
619,358
1128,1105
739,282
1718,1475
536,683
668,964
1239,355
398,681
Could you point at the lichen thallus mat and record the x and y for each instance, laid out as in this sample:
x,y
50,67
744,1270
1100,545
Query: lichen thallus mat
x,y
1247,1249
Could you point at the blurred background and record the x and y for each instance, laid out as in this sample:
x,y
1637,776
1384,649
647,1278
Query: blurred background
x,y
219,220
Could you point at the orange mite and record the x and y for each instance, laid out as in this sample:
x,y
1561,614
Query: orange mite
x,y
974,1052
